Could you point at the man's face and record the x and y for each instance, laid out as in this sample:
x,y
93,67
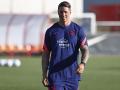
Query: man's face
x,y
64,14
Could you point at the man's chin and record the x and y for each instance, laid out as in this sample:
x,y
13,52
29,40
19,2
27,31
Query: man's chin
x,y
64,20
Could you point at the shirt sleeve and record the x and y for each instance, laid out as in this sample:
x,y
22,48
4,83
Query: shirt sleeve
x,y
82,37
47,45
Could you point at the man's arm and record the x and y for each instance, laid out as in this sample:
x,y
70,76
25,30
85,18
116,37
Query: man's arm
x,y
85,54
45,63
84,58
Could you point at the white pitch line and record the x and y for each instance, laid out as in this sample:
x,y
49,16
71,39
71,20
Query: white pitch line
x,y
96,40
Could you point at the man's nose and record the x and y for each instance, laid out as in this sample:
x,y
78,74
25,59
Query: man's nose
x,y
63,14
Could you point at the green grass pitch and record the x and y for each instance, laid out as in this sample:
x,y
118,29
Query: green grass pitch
x,y
101,73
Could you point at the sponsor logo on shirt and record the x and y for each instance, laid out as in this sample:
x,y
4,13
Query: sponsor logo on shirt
x,y
63,43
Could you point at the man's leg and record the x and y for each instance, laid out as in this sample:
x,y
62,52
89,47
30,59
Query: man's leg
x,y
56,87
72,85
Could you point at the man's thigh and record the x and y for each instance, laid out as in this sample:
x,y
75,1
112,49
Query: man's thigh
x,y
67,85
56,87
72,85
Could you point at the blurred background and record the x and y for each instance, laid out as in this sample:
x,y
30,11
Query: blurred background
x,y
23,24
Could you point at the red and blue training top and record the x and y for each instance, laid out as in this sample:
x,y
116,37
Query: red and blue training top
x,y
64,42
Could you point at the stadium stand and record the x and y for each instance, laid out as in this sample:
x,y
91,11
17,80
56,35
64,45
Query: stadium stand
x,y
107,16
22,33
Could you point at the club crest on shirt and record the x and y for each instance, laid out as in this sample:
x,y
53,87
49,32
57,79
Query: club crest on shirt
x,y
71,32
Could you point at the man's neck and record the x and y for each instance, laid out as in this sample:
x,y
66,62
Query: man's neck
x,y
64,23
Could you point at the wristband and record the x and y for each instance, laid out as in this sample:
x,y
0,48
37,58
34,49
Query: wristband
x,y
83,63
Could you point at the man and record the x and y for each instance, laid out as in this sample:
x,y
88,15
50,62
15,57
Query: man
x,y
61,70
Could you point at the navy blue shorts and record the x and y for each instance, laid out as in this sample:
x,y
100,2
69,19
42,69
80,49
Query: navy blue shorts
x,y
66,85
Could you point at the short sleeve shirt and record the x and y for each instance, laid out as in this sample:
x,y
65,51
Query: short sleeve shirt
x,y
64,42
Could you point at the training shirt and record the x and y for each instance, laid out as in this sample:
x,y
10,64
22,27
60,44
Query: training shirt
x,y
64,42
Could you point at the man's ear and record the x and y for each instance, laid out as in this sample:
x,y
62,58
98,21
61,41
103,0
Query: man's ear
x,y
70,11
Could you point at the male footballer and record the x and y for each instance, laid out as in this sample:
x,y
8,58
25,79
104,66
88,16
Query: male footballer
x,y
65,41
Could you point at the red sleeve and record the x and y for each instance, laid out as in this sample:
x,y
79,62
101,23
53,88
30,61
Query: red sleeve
x,y
82,37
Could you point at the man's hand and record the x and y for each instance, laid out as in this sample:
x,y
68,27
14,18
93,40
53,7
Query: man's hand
x,y
80,68
45,82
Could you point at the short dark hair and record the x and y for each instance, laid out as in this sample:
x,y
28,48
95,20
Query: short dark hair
x,y
64,4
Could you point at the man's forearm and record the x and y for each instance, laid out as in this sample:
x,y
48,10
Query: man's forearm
x,y
85,54
45,63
